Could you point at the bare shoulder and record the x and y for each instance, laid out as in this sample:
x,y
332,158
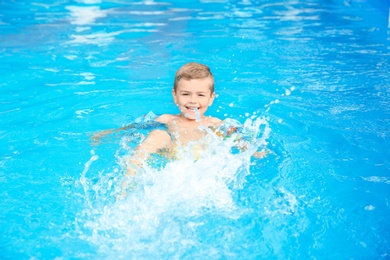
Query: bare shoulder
x,y
165,118
213,121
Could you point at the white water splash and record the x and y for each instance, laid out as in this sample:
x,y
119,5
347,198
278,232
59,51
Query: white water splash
x,y
166,204
197,117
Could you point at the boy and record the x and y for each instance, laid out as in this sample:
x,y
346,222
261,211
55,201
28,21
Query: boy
x,y
193,93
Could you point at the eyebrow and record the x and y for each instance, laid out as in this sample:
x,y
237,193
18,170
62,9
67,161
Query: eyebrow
x,y
186,91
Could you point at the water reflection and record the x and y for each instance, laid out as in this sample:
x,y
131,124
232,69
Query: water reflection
x,y
84,15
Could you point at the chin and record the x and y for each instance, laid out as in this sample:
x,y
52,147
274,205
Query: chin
x,y
189,116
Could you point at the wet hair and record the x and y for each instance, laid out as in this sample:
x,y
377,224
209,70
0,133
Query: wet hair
x,y
193,70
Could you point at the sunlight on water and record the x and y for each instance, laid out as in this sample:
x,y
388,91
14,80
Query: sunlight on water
x,y
163,195
313,71
85,15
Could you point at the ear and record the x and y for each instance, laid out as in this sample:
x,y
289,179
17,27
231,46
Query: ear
x,y
211,99
174,96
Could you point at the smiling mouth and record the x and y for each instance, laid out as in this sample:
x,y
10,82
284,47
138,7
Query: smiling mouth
x,y
193,112
192,109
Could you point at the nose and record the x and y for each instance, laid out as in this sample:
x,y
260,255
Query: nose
x,y
193,99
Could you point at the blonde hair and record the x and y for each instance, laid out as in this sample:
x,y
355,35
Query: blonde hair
x,y
193,70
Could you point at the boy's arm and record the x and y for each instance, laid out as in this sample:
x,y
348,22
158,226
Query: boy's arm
x,y
240,142
156,140
242,145
99,135
151,122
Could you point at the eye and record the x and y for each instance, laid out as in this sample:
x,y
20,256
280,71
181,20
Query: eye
x,y
185,94
201,95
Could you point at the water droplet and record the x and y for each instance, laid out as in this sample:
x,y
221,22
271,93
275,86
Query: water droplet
x,y
369,207
198,118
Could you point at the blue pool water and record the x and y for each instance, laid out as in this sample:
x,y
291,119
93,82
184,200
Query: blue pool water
x,y
314,74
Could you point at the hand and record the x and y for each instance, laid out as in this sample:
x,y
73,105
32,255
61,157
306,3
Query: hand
x,y
98,136
126,185
261,154
132,166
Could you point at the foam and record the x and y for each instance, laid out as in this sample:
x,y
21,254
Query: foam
x,y
183,190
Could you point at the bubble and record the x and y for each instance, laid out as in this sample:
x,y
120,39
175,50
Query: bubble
x,y
369,207
165,194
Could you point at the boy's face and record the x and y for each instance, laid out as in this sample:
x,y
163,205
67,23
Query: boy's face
x,y
191,94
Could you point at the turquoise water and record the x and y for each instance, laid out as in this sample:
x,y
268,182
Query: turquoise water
x,y
313,73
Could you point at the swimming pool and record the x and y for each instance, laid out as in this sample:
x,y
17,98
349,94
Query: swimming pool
x,y
315,73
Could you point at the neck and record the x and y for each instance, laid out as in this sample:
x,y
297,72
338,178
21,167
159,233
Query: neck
x,y
190,120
